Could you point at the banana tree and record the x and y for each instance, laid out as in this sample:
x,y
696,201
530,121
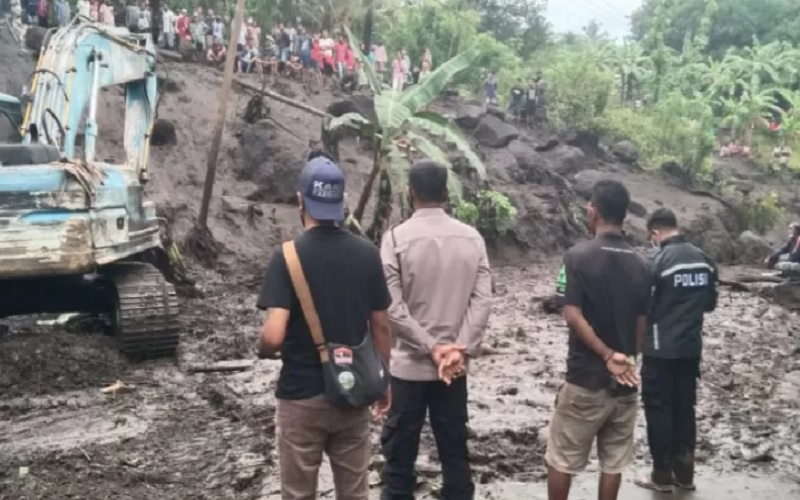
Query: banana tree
x,y
745,113
403,128
632,65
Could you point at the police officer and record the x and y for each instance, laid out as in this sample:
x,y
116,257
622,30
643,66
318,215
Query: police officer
x,y
684,289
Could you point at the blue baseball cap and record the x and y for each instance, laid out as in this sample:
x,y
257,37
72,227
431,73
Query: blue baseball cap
x,y
322,187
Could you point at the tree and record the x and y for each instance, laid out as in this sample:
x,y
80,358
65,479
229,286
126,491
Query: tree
x,y
734,23
402,128
632,65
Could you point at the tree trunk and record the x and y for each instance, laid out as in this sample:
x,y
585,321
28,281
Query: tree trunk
x,y
367,192
383,209
366,39
222,107
155,20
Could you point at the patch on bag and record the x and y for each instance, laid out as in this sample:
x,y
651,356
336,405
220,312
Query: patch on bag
x,y
347,380
343,356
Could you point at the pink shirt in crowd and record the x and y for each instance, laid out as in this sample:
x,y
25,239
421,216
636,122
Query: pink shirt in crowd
x,y
341,52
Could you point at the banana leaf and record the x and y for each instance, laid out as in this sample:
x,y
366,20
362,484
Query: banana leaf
x,y
440,126
431,87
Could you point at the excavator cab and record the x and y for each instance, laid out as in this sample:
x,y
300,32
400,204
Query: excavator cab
x,y
77,234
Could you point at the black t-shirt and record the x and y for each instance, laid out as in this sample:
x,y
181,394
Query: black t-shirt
x,y
345,276
610,283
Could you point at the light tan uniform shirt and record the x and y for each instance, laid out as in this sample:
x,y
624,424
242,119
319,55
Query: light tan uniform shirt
x,y
441,287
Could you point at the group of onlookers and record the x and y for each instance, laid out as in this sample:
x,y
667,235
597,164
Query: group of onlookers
x,y
348,320
59,13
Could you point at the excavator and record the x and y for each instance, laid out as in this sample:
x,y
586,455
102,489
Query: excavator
x,y
77,232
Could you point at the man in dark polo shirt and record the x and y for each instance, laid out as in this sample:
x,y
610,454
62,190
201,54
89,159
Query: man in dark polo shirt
x,y
345,277
606,300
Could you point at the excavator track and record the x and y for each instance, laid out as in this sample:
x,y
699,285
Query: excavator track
x,y
146,317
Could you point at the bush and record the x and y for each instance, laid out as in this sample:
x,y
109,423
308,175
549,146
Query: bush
x,y
676,129
757,214
490,212
579,89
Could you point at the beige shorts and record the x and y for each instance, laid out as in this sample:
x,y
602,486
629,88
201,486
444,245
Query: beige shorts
x,y
580,416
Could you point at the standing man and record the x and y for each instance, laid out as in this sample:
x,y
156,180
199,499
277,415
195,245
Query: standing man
x,y
684,289
605,306
347,287
439,279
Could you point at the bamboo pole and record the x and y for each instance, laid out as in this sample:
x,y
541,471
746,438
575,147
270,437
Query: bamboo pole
x,y
222,108
278,97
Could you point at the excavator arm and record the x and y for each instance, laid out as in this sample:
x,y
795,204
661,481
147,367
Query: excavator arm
x,y
76,62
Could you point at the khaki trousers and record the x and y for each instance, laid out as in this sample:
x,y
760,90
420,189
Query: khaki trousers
x,y
305,429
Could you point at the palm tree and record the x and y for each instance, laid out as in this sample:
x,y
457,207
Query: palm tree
x,y
402,127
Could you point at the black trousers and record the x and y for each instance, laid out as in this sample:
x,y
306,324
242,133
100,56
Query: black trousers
x,y
401,434
669,392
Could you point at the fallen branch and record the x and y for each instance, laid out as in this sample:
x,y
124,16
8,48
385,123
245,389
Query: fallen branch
x,y
223,367
169,54
749,278
735,285
280,98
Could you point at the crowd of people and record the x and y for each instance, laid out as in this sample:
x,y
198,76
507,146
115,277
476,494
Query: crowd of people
x,y
398,328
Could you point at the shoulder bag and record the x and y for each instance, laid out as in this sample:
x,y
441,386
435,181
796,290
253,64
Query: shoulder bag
x,y
355,376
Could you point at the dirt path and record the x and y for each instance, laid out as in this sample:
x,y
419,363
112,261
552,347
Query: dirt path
x,y
178,436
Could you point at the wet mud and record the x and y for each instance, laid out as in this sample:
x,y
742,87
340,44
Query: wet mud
x,y
177,435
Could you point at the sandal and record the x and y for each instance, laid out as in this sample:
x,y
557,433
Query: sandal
x,y
647,483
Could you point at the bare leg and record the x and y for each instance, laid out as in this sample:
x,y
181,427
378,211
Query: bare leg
x,y
558,484
609,486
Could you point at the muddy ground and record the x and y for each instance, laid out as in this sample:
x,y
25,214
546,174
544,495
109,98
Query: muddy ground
x,y
178,435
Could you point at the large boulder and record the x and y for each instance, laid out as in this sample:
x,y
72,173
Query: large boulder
x,y
586,140
163,133
495,133
625,152
361,104
584,182
468,116
751,248
267,164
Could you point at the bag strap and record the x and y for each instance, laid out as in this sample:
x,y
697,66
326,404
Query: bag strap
x,y
304,296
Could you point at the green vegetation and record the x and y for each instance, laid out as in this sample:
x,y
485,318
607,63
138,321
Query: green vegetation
x,y
491,213
402,129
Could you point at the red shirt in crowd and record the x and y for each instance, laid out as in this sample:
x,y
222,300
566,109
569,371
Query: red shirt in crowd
x,y
350,58
316,53
341,52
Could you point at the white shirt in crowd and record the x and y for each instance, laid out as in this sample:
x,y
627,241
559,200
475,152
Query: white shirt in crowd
x,y
243,34
84,8
168,19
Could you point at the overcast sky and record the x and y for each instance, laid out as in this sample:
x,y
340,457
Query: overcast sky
x,y
573,15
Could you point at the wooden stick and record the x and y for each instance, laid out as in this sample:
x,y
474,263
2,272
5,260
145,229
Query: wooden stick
x,y
222,108
223,367
280,98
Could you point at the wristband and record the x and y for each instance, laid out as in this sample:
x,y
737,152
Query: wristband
x,y
608,358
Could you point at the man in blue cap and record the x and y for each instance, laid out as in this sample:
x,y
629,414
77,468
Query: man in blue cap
x,y
347,286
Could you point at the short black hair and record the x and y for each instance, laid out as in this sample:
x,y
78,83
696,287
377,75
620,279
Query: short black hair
x,y
663,218
428,181
611,200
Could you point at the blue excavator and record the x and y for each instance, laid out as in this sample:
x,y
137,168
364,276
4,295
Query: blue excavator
x,y
77,232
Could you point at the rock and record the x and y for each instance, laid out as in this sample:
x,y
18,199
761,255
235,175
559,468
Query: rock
x,y
569,160
168,85
751,248
234,204
508,390
163,133
637,209
498,112
785,294
361,104
625,152
495,133
587,140
547,144
788,389
708,230
584,182
279,182
469,116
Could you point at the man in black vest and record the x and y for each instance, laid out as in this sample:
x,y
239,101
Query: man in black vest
x,y
684,289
